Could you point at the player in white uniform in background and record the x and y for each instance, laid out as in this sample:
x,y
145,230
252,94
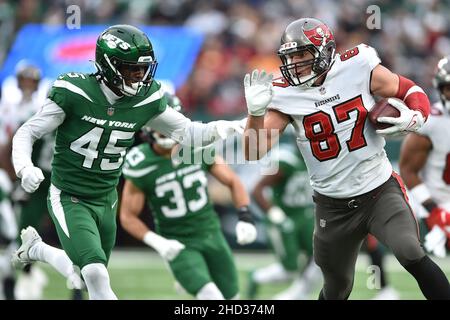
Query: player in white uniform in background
x,y
425,166
327,97
22,97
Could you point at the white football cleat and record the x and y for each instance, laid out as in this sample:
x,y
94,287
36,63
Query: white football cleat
x,y
29,238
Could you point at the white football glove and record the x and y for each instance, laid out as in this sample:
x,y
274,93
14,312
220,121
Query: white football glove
x,y
435,241
227,128
409,120
258,92
276,215
167,249
31,178
245,232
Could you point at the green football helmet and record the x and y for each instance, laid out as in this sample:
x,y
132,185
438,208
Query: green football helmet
x,y
125,59
155,137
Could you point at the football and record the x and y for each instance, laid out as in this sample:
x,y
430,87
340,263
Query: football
x,y
383,109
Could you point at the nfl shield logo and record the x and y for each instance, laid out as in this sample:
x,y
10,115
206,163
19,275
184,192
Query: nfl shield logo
x,y
322,90
110,111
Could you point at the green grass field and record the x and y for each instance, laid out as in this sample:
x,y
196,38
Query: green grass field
x,y
143,275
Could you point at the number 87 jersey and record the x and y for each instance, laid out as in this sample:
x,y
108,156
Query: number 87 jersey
x,y
344,155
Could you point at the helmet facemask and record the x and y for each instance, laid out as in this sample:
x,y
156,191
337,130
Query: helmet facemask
x,y
132,78
441,81
320,63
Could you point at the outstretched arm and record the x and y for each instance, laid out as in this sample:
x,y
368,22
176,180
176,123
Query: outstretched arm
x,y
175,125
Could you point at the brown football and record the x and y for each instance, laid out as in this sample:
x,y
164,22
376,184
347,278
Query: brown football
x,y
383,109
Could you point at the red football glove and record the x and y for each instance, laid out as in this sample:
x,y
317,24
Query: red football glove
x,y
438,216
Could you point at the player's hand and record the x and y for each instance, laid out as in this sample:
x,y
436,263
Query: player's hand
x,y
245,232
408,121
435,241
245,228
31,178
258,92
168,249
227,128
276,215
171,249
438,216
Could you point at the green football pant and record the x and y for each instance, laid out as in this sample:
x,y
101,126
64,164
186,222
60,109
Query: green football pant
x,y
86,227
206,258
293,236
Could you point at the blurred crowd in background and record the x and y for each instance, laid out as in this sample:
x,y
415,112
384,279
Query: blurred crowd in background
x,y
242,35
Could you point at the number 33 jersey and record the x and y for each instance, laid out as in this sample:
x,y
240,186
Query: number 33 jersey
x,y
344,155
176,191
95,135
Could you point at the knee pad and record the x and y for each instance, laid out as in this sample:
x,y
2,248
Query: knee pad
x,y
209,292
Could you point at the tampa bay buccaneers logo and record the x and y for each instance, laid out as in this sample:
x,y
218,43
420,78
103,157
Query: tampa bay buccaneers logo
x,y
319,36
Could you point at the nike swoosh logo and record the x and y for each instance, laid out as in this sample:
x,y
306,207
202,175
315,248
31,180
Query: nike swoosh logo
x,y
114,204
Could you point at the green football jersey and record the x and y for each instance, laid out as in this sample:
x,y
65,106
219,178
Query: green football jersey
x,y
293,193
176,193
95,135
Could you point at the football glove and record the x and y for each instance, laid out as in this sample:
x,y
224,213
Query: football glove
x,y
167,249
227,128
31,178
245,228
276,215
408,121
258,92
435,241
439,217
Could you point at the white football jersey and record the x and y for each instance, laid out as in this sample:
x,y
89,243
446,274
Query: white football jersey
x,y
344,155
436,172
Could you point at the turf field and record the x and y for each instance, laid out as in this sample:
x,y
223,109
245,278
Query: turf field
x,y
143,275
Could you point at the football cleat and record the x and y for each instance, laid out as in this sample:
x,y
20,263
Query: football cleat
x,y
29,238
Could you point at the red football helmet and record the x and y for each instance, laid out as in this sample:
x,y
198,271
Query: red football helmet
x,y
306,34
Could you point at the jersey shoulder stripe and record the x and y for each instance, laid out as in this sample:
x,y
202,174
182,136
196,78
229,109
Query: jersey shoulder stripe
x,y
71,87
128,172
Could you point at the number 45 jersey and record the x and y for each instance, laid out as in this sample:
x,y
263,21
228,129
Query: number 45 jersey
x,y
344,155
95,135
176,191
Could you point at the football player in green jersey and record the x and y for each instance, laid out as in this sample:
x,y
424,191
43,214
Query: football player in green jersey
x,y
290,226
95,117
188,234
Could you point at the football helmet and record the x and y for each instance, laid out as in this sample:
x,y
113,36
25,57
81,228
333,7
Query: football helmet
x,y
153,136
125,59
306,35
441,79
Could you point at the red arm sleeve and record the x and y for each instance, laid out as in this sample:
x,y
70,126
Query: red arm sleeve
x,y
413,96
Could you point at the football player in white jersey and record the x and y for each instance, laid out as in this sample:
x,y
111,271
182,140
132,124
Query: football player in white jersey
x,y
327,97
425,166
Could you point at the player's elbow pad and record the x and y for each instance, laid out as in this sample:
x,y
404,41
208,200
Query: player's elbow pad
x,y
413,96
